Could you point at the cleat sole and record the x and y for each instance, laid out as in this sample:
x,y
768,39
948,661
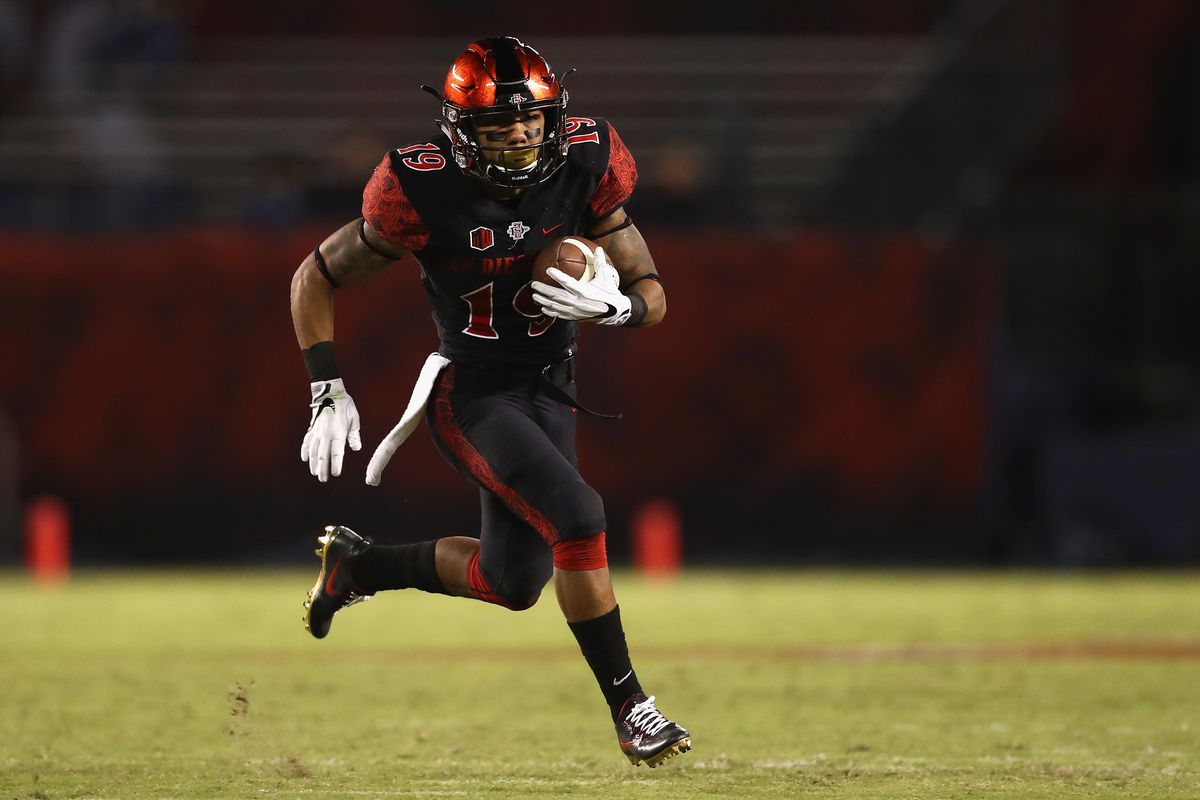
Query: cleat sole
x,y
324,540
682,746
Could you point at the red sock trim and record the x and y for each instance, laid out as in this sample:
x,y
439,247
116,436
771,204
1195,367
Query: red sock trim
x,y
454,438
581,554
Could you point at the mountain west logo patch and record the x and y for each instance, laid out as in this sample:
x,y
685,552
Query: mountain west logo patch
x,y
483,238
518,230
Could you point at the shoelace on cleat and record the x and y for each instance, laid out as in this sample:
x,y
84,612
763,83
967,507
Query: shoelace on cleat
x,y
645,716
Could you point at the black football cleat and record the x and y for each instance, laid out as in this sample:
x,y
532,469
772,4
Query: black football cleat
x,y
646,735
334,589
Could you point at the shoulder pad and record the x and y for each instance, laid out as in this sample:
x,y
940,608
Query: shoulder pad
x,y
386,207
619,176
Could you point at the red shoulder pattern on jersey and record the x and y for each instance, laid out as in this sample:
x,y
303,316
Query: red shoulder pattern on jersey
x,y
619,179
389,212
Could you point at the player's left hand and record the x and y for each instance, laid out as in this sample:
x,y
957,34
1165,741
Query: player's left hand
x,y
599,300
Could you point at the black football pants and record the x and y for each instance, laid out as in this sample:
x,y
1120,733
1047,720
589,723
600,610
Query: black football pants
x,y
496,426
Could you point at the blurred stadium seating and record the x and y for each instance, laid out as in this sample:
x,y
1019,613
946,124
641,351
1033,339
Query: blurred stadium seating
x,y
927,261
765,120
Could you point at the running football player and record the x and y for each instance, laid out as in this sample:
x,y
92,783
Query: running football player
x,y
509,172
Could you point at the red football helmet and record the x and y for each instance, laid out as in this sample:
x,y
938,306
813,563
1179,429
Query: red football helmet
x,y
502,75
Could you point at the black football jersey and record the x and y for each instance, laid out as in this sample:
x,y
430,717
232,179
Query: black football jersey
x,y
476,252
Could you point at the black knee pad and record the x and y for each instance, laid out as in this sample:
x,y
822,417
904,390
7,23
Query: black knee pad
x,y
522,586
576,510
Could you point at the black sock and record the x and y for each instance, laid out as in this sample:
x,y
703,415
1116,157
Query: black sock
x,y
401,566
602,641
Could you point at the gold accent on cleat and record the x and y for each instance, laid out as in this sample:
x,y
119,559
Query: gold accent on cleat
x,y
322,552
324,541
682,746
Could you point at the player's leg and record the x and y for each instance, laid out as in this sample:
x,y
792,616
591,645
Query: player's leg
x,y
353,568
586,592
513,563
523,453
508,565
529,486
589,603
510,562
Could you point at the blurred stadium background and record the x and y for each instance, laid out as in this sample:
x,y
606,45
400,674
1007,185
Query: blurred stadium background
x,y
931,265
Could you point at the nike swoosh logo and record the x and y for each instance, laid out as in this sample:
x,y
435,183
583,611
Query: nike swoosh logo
x,y
548,231
329,584
316,412
619,682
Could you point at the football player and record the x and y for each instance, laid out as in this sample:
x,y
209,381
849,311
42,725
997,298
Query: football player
x,y
508,173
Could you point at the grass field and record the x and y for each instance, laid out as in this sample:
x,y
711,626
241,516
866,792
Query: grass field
x,y
794,684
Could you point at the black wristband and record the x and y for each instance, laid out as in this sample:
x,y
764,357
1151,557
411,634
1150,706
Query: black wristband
x,y
637,311
318,360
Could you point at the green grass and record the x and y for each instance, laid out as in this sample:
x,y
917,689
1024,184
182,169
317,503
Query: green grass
x,y
794,684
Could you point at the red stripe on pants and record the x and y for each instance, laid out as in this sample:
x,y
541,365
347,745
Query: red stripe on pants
x,y
454,438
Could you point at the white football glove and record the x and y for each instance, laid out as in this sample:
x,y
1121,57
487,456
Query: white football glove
x,y
598,300
334,423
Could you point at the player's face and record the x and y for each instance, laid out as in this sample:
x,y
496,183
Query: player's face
x,y
510,140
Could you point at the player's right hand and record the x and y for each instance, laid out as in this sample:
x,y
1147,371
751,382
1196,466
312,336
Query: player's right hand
x,y
334,424
599,300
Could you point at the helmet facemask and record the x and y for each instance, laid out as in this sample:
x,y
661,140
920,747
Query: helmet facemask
x,y
510,166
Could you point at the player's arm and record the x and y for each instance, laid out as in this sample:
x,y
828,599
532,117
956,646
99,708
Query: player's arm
x,y
352,254
629,255
623,291
345,258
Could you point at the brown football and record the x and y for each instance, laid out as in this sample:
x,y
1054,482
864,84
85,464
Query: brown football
x,y
567,254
